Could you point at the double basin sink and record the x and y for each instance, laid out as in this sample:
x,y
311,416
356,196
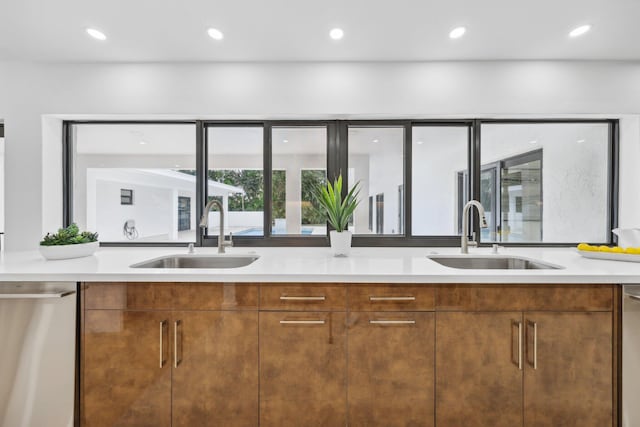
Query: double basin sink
x,y
467,262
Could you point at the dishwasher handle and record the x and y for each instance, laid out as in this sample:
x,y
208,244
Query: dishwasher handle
x,y
36,295
634,297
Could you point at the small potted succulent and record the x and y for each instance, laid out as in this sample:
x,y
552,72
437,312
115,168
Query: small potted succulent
x,y
338,212
69,243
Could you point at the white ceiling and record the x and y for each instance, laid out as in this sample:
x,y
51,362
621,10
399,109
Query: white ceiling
x,y
288,30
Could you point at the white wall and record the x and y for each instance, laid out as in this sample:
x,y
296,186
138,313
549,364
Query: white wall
x,y
304,90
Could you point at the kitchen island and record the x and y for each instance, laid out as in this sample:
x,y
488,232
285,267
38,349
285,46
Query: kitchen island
x,y
385,337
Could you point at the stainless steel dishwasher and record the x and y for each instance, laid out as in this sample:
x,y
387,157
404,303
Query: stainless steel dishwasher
x,y
631,356
37,354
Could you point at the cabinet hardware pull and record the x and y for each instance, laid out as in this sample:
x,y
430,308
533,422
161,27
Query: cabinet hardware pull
x,y
162,358
520,345
535,344
302,322
392,322
634,297
176,360
299,298
409,298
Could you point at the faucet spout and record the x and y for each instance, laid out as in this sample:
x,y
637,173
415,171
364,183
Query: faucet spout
x,y
204,223
464,240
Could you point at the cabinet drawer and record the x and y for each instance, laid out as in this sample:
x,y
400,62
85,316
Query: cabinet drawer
x,y
303,297
391,298
524,298
215,296
128,296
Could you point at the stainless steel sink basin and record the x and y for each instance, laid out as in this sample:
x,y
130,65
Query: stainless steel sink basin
x,y
491,262
198,261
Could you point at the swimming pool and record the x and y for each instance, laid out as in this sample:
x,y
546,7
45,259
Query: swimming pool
x,y
257,231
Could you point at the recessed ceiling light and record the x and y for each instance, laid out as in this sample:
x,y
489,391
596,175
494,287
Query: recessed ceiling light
x,y
576,32
215,34
336,33
143,143
285,140
533,141
96,34
420,142
177,166
375,140
580,141
457,32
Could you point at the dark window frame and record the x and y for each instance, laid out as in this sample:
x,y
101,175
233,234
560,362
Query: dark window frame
x,y
337,161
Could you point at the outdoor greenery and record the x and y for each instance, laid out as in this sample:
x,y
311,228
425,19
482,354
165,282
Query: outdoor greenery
x,y
312,212
337,209
69,236
252,182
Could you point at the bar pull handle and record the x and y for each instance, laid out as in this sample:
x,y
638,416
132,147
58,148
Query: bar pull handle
x,y
392,322
302,298
519,361
176,360
534,363
163,360
36,295
407,298
634,297
303,322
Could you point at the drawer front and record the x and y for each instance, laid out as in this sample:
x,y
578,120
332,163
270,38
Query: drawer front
x,y
524,297
128,296
391,298
215,296
303,297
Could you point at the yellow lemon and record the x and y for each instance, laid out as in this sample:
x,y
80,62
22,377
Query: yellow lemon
x,y
632,251
604,248
617,250
584,247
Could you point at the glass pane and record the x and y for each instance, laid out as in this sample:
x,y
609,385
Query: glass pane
x,y
299,163
376,159
129,181
439,179
551,181
236,179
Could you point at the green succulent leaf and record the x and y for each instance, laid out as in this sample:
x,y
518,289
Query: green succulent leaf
x,y
337,209
69,236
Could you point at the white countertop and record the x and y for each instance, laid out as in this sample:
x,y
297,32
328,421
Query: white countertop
x,y
365,265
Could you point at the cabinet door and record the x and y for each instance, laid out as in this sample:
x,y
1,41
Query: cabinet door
x,y
302,369
215,368
127,376
478,369
391,369
568,377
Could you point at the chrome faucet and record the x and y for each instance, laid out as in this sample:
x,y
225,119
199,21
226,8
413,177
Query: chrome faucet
x,y
464,241
204,223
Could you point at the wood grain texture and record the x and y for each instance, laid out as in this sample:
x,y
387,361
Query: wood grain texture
x,y
216,382
477,382
573,385
470,297
123,383
303,370
215,296
129,296
391,370
335,297
360,298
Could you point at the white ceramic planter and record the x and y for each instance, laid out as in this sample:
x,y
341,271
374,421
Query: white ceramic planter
x,y
69,251
340,242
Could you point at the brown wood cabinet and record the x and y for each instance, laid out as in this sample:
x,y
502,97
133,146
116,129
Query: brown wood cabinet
x,y
534,368
212,354
303,379
568,370
124,383
391,369
478,369
166,366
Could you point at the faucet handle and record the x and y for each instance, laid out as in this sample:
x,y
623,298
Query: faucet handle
x,y
228,242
